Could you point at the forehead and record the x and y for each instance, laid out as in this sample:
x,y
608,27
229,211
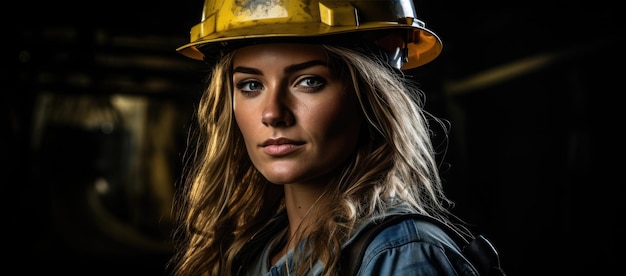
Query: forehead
x,y
275,52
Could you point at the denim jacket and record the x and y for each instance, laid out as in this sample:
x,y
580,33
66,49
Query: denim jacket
x,y
412,247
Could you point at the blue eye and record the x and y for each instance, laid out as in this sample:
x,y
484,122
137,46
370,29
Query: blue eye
x,y
249,86
312,83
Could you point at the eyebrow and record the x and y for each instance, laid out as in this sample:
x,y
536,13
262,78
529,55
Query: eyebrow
x,y
289,69
300,66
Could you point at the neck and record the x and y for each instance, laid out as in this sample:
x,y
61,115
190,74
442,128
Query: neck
x,y
301,202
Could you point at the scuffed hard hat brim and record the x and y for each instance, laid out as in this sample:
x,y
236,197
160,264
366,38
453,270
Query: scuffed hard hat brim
x,y
423,45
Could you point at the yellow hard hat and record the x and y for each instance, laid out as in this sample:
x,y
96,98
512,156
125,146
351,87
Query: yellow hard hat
x,y
226,21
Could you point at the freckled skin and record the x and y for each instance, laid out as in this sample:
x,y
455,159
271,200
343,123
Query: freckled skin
x,y
324,122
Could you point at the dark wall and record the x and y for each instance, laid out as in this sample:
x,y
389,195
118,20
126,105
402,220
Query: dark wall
x,y
532,95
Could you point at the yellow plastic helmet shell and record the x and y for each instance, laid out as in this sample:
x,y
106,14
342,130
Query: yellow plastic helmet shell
x,y
224,21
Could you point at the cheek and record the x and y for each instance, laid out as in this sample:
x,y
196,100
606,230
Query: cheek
x,y
339,121
244,120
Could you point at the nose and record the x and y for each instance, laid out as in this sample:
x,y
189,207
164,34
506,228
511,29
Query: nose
x,y
277,111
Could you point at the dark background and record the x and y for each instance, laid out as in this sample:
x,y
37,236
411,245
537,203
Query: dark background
x,y
96,106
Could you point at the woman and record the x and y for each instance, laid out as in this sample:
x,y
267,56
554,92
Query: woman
x,y
303,141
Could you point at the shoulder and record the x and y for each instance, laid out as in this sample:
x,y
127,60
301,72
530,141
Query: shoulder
x,y
413,245
407,230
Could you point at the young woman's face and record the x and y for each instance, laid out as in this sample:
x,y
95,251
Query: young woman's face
x,y
298,120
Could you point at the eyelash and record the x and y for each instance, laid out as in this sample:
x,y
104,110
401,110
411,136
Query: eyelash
x,y
318,84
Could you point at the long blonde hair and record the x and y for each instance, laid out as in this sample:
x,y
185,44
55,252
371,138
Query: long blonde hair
x,y
225,200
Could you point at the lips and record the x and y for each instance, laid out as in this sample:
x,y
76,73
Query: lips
x,y
280,146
